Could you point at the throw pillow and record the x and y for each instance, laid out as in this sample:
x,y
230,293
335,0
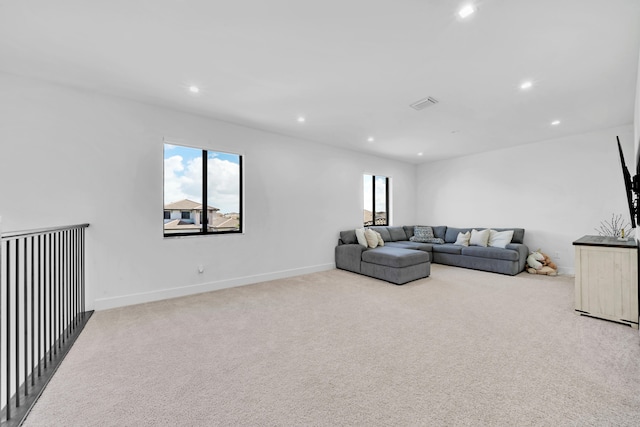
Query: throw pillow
x,y
422,232
463,239
360,236
500,239
479,238
372,238
428,240
380,239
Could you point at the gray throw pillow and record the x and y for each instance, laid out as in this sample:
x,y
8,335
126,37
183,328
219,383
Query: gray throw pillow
x,y
424,234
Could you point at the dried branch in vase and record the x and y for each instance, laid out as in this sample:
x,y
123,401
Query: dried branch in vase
x,y
616,227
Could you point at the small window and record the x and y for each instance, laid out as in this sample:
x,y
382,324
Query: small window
x,y
193,175
376,200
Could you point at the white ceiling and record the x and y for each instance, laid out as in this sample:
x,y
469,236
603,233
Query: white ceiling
x,y
351,67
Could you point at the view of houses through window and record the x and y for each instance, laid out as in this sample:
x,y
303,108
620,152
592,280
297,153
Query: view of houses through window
x,y
185,188
376,200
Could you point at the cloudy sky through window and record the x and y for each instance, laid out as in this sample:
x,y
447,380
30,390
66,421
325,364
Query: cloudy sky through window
x,y
183,177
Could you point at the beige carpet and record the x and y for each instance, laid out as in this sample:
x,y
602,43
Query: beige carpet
x,y
458,348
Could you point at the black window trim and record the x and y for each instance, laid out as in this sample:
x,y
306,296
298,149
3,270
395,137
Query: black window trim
x,y
386,201
204,220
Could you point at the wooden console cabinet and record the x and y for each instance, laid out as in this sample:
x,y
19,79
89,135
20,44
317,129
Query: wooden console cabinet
x,y
607,279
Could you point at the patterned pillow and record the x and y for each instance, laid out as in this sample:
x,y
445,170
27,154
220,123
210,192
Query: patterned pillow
x,y
424,235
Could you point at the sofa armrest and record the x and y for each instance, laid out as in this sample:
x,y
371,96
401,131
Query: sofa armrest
x,y
523,253
348,257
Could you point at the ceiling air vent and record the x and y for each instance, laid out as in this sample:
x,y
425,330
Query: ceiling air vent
x,y
424,103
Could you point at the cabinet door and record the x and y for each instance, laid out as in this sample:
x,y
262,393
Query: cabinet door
x,y
607,282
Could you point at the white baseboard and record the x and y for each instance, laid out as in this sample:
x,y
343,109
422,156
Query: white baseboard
x,y
566,271
143,297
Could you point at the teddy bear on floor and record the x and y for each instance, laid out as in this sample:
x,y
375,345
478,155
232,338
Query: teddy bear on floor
x,y
540,263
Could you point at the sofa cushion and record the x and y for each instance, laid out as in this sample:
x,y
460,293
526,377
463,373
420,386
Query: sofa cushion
x,y
383,232
451,234
397,233
408,230
394,257
448,248
348,237
411,245
489,252
439,231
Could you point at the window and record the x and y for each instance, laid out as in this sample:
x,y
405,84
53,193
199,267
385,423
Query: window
x,y
192,175
376,200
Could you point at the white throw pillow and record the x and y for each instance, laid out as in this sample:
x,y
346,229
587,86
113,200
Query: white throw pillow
x,y
500,239
380,240
360,236
463,239
479,238
372,239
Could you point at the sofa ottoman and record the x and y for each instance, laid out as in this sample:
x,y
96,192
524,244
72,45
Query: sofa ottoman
x,y
395,265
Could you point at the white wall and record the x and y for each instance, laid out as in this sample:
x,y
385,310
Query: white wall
x,y
558,190
69,156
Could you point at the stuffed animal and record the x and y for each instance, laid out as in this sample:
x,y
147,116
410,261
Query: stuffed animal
x,y
533,260
548,263
540,263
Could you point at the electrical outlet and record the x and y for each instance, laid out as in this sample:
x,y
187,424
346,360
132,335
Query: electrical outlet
x,y
557,255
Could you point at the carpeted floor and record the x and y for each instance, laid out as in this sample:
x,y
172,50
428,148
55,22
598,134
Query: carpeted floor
x,y
459,348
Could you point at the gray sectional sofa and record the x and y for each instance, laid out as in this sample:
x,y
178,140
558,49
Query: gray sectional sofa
x,y
401,260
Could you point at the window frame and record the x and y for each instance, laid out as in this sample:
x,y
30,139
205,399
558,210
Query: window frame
x,y
373,200
204,219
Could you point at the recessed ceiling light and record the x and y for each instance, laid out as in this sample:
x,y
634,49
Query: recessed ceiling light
x,y
194,89
555,122
526,85
466,11
420,153
301,119
370,139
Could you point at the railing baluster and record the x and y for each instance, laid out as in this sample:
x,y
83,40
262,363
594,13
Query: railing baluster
x,y
67,310
63,285
40,319
25,327
82,294
8,336
51,278
77,275
57,289
17,376
1,356
42,293
76,306
33,311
